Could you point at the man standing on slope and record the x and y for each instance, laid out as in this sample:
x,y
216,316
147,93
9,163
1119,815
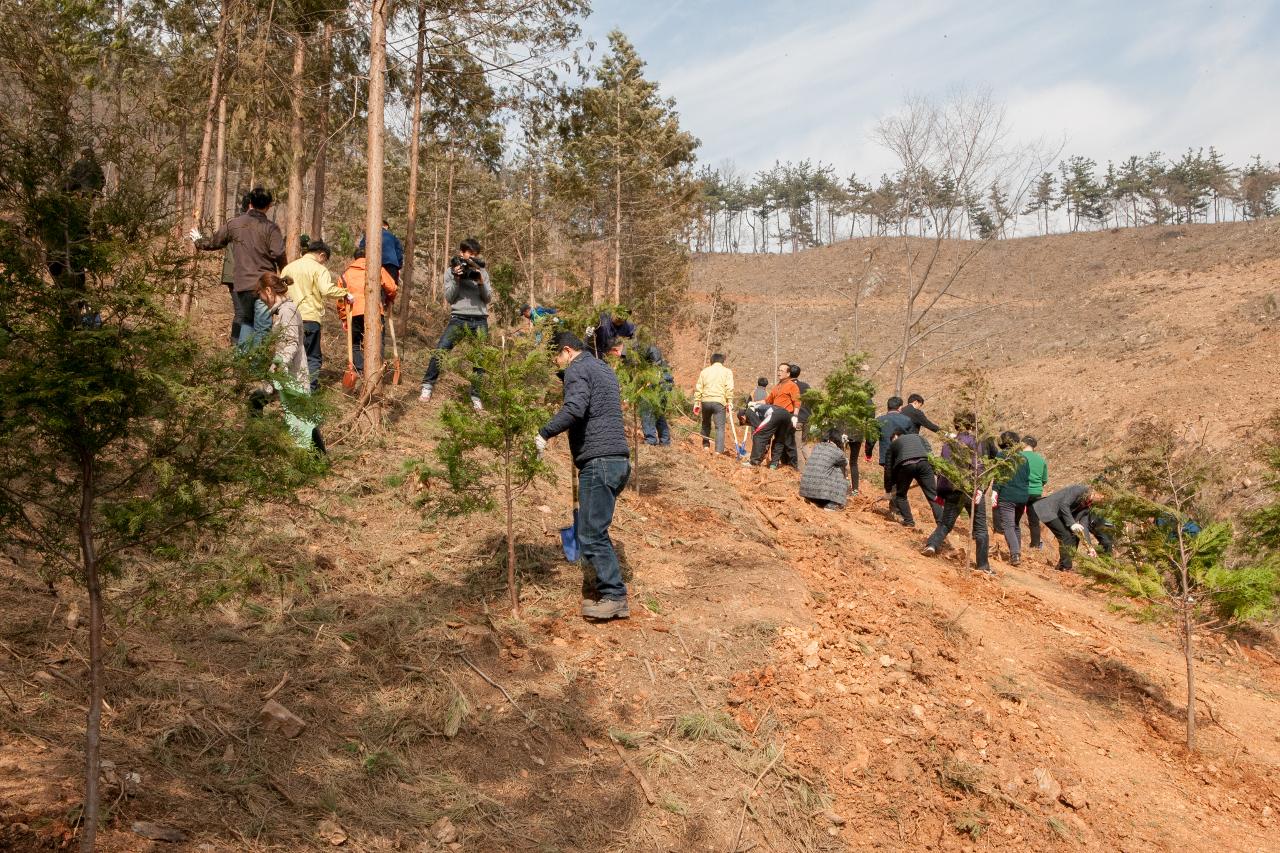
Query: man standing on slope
x,y
468,290
914,410
258,248
1037,479
785,395
956,500
592,414
712,396
1062,512
890,422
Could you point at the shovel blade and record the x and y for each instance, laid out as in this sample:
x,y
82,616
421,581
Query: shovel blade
x,y
349,378
395,372
569,540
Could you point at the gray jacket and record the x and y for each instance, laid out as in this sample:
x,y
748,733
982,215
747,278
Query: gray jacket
x,y
592,411
467,297
290,354
1063,505
824,476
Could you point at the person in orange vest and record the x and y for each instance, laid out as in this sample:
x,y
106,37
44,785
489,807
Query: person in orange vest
x,y
354,280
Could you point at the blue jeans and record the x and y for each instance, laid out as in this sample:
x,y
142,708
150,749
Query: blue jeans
x,y
311,345
453,331
656,429
600,481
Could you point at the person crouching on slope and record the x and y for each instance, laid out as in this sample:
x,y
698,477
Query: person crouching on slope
x,y
1062,513
592,415
824,481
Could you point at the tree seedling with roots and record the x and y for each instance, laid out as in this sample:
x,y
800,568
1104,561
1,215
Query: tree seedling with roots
x,y
643,386
844,402
488,459
1171,565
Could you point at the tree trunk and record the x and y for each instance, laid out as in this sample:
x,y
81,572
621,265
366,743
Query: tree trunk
x,y
206,141
617,199
220,167
89,562
322,146
293,212
508,500
448,225
435,232
1188,650
415,128
373,216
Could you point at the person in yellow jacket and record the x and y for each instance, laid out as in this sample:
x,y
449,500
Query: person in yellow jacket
x,y
712,397
312,284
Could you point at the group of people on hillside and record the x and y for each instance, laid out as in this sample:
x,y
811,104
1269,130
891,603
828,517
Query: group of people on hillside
x,y
776,416
270,295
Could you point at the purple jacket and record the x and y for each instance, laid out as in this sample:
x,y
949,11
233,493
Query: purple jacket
x,y
967,439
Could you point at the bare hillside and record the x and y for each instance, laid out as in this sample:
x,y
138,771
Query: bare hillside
x,y
1085,334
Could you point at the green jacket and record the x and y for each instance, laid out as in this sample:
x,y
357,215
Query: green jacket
x,y
1037,473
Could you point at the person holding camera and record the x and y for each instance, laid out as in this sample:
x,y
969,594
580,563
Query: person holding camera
x,y
468,291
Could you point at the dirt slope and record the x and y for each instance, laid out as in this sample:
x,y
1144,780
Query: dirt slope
x,y
863,696
1086,335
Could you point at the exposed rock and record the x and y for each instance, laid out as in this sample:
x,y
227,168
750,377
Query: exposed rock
x,y
158,832
1047,788
1074,796
444,831
275,717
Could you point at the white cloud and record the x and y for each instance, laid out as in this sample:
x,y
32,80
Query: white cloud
x,y
1114,79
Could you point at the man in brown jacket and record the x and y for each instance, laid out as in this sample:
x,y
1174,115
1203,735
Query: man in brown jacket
x,y
258,248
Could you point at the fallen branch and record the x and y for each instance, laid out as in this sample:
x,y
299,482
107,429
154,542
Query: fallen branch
x,y
502,690
746,801
644,783
274,690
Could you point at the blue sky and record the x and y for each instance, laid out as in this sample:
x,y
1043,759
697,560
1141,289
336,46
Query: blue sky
x,y
758,80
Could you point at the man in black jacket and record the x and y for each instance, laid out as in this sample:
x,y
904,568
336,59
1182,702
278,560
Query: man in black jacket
x,y
592,415
914,410
1063,512
909,461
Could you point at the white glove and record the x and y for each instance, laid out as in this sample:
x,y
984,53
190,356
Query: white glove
x,y
194,234
540,443
977,495
795,422
351,300
844,440
951,435
1077,529
753,405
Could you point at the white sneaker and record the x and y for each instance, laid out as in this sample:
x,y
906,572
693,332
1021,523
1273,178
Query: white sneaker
x,y
425,394
476,404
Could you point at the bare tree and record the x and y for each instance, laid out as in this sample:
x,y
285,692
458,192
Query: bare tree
x,y
947,151
415,132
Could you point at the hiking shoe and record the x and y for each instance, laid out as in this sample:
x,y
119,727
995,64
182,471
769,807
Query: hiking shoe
x,y
929,551
476,404
1015,560
774,466
833,508
606,609
906,523
425,394
986,570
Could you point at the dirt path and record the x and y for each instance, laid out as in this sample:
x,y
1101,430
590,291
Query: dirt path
x,y
920,672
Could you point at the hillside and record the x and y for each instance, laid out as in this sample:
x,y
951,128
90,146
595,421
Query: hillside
x,y
1085,335
790,680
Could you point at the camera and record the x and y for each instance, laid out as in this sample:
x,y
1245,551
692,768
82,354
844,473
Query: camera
x,y
470,267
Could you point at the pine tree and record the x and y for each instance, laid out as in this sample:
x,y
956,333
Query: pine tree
x,y
625,172
844,401
1172,561
489,459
